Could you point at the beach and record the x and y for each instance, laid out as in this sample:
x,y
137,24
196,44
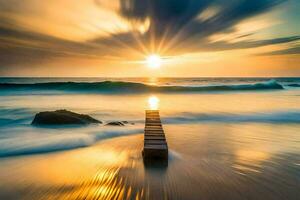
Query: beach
x,y
227,139
150,100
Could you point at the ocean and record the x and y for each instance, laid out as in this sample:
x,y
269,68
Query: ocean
x,y
181,101
247,126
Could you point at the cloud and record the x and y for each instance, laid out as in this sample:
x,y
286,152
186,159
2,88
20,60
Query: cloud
x,y
175,26
179,20
20,45
288,51
245,44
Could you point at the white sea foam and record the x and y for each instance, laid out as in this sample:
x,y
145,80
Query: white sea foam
x,y
43,141
279,117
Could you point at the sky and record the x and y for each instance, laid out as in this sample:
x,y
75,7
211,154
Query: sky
x,y
114,38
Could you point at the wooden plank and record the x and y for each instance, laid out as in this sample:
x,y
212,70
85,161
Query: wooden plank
x,y
154,138
151,113
156,151
153,128
149,137
152,121
150,142
148,122
152,117
155,144
154,133
153,125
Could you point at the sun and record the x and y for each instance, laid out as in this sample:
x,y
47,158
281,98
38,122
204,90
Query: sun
x,y
154,61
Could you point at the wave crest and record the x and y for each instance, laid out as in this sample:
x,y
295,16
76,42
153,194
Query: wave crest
x,y
44,143
131,87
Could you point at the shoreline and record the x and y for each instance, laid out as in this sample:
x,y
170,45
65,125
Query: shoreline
x,y
113,168
56,169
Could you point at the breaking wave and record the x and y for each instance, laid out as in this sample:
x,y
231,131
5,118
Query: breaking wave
x,y
45,143
131,87
279,117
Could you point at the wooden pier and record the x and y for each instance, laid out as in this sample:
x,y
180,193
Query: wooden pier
x,y
155,144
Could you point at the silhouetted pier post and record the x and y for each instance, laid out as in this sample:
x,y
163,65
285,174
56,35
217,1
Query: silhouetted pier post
x,y
155,144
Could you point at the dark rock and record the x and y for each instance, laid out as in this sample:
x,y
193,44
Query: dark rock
x,y
116,123
127,122
62,117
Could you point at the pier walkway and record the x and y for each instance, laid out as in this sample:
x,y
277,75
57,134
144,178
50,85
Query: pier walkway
x,y
155,144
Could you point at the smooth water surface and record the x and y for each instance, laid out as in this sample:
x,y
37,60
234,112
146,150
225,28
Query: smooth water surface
x,y
228,138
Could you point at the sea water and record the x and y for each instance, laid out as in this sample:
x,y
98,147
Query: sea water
x,y
246,101
245,126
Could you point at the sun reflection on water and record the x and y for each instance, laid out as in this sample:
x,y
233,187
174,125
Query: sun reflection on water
x,y
250,161
153,102
153,81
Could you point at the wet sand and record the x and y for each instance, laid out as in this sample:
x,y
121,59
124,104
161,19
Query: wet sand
x,y
206,165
